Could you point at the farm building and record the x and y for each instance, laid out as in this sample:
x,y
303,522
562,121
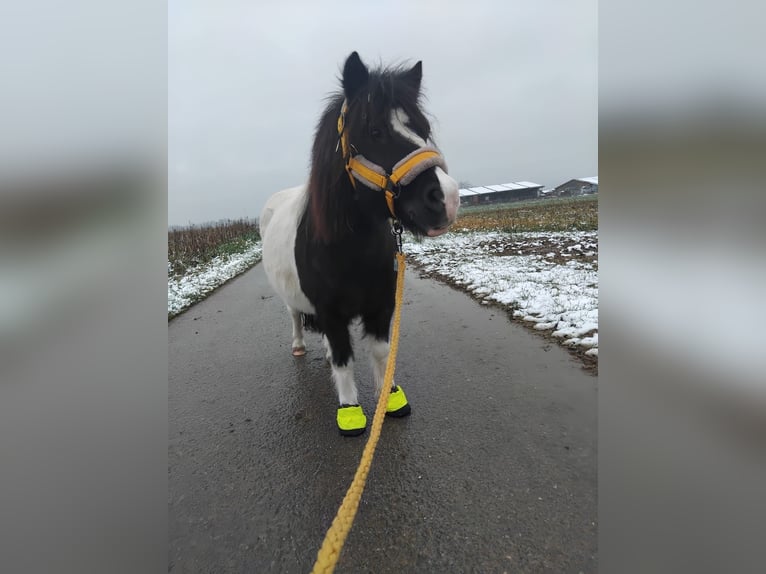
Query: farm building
x,y
579,186
501,193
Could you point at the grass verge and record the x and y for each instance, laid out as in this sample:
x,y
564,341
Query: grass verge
x,y
201,258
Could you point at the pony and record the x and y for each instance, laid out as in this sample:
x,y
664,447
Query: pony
x,y
328,246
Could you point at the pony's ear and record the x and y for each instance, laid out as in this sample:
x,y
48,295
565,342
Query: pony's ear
x,y
355,75
414,75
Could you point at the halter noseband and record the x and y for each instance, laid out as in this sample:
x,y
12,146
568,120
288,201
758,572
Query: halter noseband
x,y
374,176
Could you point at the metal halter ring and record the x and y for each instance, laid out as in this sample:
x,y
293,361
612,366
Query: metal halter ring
x,y
396,230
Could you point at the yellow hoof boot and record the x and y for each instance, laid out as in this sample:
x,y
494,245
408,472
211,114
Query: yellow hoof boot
x,y
397,403
351,420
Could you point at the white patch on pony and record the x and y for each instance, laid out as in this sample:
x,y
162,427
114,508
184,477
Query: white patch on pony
x,y
399,119
451,195
299,347
279,225
344,383
378,358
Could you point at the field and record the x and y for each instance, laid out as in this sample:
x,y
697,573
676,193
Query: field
x,y
560,214
536,260
201,258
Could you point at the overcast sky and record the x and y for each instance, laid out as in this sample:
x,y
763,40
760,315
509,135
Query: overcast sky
x,y
512,85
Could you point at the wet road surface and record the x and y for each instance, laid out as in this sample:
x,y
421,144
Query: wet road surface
x,y
494,471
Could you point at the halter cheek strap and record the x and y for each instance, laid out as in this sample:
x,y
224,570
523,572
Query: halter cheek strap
x,y
375,177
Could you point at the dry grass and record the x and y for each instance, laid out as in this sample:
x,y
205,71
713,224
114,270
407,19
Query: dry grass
x,y
565,214
196,244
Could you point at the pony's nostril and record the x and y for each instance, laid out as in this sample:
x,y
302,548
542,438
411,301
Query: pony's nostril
x,y
434,197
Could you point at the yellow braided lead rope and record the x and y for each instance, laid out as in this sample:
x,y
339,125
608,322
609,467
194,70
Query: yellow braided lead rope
x,y
329,553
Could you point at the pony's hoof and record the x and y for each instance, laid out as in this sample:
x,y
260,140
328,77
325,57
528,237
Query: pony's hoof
x,y
351,420
299,351
397,403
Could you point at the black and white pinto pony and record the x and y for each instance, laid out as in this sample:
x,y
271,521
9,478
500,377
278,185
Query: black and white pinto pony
x,y
328,246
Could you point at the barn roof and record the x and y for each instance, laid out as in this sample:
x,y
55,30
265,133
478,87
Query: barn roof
x,y
513,186
482,190
593,179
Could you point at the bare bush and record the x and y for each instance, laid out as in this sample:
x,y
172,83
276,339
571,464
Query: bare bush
x,y
196,244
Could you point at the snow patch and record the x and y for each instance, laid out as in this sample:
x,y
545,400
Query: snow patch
x,y
562,297
199,281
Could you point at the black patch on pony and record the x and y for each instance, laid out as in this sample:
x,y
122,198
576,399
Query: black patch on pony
x,y
310,322
344,248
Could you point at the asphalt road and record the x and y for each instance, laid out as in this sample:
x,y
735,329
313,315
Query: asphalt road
x,y
494,471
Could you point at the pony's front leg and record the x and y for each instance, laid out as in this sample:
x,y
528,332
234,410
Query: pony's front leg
x,y
397,400
377,326
327,349
350,418
379,350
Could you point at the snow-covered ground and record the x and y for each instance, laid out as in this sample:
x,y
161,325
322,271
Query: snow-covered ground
x,y
547,278
184,291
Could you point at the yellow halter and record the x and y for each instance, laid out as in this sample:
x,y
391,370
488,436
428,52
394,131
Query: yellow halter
x,y
374,176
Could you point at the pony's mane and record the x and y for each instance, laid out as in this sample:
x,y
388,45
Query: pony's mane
x,y
331,195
